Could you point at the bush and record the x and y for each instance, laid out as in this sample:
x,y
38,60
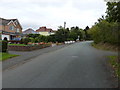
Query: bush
x,y
25,41
105,32
4,46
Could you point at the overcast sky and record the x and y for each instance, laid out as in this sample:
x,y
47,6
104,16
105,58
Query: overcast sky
x,y
53,13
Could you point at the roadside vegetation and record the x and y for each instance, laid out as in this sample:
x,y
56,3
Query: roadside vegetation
x,y
5,56
106,31
61,35
115,64
105,46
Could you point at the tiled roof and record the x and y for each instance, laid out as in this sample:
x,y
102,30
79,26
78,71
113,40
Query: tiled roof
x,y
44,29
29,31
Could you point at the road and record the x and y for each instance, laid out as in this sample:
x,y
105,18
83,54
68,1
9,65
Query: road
x,y
76,66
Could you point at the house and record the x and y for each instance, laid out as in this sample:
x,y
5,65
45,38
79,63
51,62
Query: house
x,y
29,31
45,31
10,28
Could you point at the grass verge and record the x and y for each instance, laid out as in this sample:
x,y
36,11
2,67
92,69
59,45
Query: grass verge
x,y
5,56
105,46
113,60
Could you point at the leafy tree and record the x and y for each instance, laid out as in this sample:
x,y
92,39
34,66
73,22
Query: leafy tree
x,y
73,36
105,32
77,32
113,11
62,34
87,36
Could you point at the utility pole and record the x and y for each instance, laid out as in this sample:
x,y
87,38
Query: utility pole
x,y
64,29
64,25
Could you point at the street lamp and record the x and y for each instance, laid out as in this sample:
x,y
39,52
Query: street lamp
x,y
64,25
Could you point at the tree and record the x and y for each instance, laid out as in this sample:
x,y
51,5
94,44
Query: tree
x,y
76,31
73,36
62,34
87,36
113,9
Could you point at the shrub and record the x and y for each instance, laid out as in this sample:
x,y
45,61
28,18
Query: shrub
x,y
105,32
26,40
4,46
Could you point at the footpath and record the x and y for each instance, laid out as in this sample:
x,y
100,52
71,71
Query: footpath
x,y
25,56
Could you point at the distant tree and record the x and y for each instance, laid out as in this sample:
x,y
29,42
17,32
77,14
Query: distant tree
x,y
73,36
60,34
87,36
76,31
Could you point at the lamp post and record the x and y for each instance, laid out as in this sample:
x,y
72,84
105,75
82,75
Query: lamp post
x,y
64,29
64,25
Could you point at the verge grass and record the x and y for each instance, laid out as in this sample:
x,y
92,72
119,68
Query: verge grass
x,y
113,60
5,56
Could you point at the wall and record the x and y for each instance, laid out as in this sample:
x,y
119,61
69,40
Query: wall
x,y
44,33
26,48
1,27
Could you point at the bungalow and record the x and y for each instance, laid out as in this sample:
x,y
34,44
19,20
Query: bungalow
x,y
10,28
45,31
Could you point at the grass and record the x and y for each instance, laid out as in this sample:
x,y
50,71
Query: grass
x,y
115,64
5,56
18,44
105,46
113,60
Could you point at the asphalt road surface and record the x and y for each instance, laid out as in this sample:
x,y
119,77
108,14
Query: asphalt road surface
x,y
76,66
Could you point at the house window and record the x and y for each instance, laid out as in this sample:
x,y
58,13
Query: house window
x,y
18,30
11,27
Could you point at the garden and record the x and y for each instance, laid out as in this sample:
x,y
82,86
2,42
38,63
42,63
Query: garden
x,y
23,45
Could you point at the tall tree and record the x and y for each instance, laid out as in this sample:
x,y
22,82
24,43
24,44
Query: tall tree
x,y
113,11
86,34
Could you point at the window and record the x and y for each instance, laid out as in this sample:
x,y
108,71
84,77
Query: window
x,y
18,30
11,27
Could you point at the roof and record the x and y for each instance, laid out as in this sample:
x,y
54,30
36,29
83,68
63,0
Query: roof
x,y
7,21
29,31
4,21
44,29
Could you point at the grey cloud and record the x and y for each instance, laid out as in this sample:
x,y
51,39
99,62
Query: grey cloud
x,y
52,13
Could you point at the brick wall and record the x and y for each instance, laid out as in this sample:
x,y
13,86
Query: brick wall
x,y
26,48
